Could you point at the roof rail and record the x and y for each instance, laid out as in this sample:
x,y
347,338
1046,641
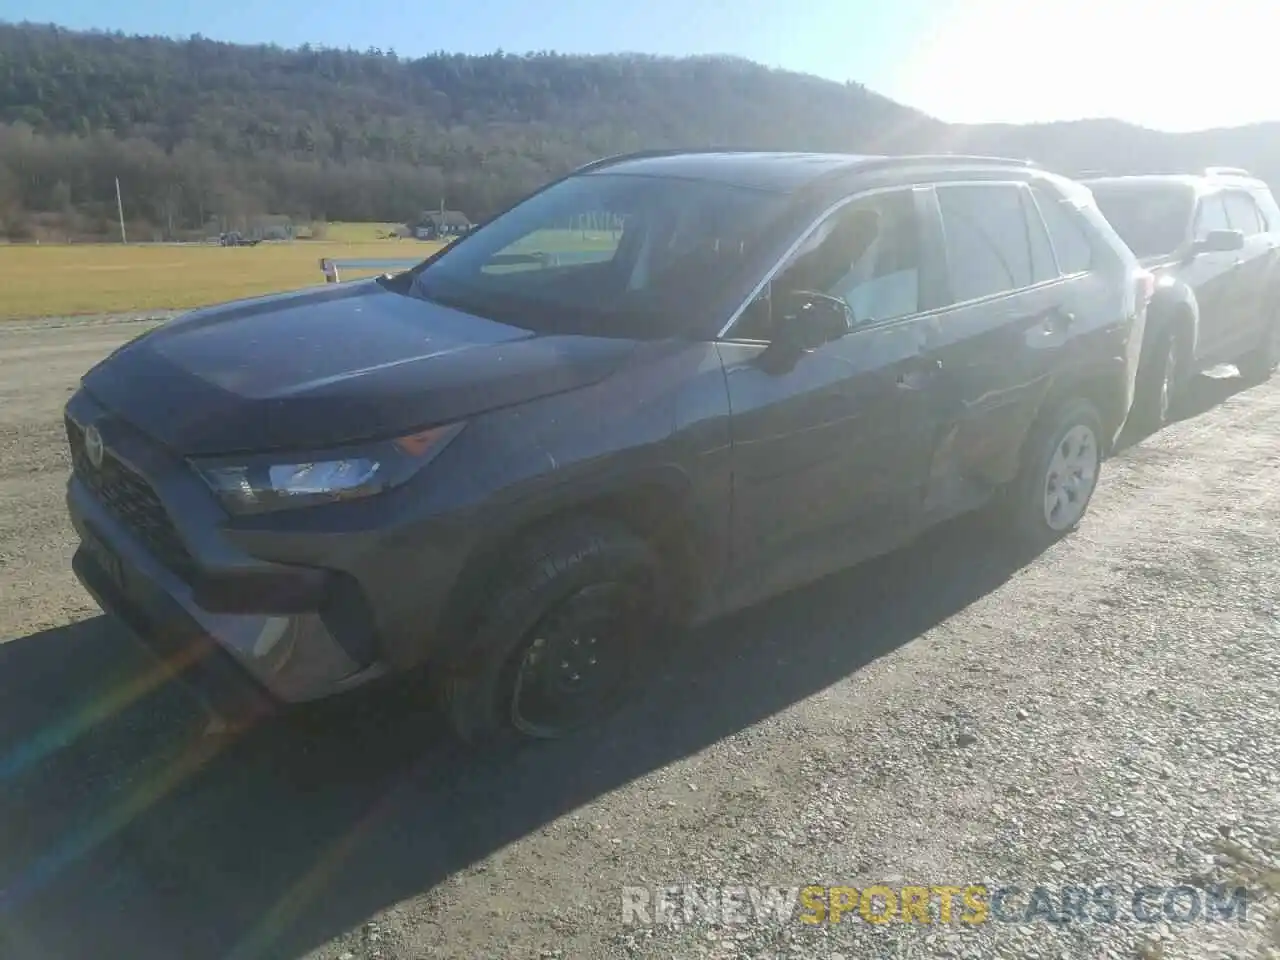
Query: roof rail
x,y
1226,172
913,160
836,176
664,152
865,161
974,159
619,157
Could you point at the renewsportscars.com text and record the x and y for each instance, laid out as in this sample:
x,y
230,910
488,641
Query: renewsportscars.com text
x,y
971,904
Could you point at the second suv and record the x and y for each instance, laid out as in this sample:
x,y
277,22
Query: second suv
x,y
660,388
1212,241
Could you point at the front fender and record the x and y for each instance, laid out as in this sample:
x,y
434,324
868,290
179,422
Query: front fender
x,y
1173,307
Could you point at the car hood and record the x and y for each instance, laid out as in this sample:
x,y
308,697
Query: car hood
x,y
331,366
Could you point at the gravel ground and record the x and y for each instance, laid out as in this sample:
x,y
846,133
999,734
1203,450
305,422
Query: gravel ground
x,y
1102,716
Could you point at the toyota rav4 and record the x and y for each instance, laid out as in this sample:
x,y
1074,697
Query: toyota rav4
x,y
661,388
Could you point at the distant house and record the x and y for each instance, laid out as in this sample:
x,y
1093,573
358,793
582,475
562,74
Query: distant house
x,y
440,225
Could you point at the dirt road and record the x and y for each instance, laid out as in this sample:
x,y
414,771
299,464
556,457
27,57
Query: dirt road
x,y
1103,716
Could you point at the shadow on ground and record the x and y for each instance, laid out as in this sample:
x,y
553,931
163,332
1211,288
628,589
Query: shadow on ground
x,y
124,836
122,839
1201,395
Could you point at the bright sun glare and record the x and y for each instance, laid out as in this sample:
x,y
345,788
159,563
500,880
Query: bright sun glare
x,y
1173,65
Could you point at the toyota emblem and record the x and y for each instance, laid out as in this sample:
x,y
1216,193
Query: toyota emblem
x,y
93,446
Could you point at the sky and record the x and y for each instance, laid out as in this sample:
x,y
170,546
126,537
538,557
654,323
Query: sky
x,y
1169,65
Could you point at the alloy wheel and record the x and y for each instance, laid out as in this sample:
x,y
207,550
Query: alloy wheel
x,y
1071,477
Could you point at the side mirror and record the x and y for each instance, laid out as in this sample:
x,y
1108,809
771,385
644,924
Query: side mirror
x,y
1219,241
808,320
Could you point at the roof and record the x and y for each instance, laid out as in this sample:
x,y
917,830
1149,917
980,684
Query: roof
x,y
1191,181
1148,181
772,171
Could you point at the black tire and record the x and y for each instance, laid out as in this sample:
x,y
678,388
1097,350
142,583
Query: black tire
x,y
1160,380
1027,497
1260,363
537,635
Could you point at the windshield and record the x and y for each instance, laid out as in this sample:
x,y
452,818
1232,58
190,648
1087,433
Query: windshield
x,y
605,254
1152,222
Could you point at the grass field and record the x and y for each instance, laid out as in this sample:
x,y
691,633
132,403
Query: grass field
x,y
54,280
359,232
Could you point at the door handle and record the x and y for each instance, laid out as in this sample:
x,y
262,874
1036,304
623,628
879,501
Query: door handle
x,y
918,373
1058,321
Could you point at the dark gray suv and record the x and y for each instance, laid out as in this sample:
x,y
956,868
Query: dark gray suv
x,y
661,388
1213,242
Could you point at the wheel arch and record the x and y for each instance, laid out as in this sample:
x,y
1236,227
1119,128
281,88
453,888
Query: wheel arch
x,y
1174,308
1104,388
655,505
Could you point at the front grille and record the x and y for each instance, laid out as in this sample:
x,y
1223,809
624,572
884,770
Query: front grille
x,y
130,498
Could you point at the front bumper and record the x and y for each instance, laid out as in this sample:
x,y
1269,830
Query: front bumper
x,y
237,663
306,603
185,651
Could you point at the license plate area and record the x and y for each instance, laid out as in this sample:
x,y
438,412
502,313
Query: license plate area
x,y
104,557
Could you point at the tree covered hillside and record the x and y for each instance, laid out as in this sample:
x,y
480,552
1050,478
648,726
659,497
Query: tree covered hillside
x,y
199,131
196,128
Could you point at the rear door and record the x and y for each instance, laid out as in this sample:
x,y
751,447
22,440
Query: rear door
x,y
1269,213
1007,321
1213,276
1248,294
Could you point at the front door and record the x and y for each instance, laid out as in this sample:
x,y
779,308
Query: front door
x,y
1249,292
830,447
1212,275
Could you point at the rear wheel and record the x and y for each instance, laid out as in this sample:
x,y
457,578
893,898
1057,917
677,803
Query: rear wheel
x,y
1060,472
560,643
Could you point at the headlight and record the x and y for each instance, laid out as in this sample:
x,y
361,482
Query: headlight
x,y
280,481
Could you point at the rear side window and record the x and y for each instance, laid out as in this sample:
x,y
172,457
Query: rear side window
x,y
1070,243
1268,212
986,238
1243,214
1043,264
1211,215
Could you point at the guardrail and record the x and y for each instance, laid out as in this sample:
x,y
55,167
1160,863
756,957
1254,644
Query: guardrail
x,y
331,266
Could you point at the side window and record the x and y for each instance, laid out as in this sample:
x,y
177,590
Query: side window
x,y
1268,212
867,254
1070,243
1243,214
986,237
1211,215
1043,265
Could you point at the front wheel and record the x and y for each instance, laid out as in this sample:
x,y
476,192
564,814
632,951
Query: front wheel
x,y
1159,380
1060,472
1258,364
562,637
